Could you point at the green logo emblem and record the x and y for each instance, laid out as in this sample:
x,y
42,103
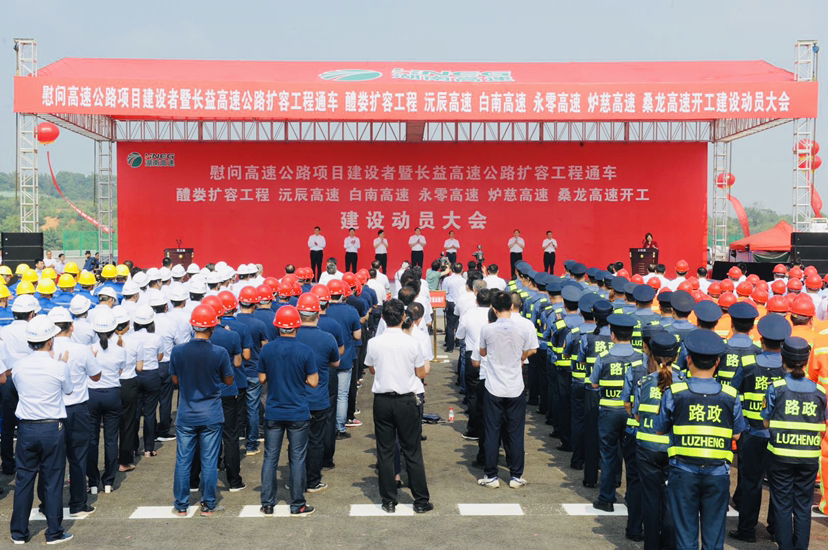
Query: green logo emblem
x,y
351,75
135,160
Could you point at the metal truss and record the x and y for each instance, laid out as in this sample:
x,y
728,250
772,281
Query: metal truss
x,y
105,183
721,199
731,129
97,127
27,173
804,132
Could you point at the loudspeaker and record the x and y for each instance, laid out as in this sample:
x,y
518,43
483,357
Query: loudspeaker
x,y
809,239
21,248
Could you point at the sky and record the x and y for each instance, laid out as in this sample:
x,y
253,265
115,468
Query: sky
x,y
428,30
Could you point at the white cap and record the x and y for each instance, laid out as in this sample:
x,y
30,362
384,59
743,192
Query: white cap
x,y
40,329
242,270
104,321
153,274
60,315
198,287
192,269
79,305
144,315
252,269
107,291
140,279
156,298
130,289
178,271
179,293
227,273
26,304
204,271
220,266
165,273
213,278
121,314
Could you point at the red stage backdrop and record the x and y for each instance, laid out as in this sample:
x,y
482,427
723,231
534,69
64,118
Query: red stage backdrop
x,y
259,202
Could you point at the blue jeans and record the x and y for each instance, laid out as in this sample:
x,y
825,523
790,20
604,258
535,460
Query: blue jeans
x,y
254,397
297,434
343,377
694,499
209,440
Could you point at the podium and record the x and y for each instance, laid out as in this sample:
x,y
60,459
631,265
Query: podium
x,y
640,258
182,256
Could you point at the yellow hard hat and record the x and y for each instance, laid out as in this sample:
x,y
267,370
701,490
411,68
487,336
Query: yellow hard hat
x,y
46,286
109,271
66,281
21,269
71,268
122,270
5,270
30,276
87,278
25,287
4,292
49,273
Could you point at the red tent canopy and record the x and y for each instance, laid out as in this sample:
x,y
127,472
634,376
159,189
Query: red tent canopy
x,y
775,239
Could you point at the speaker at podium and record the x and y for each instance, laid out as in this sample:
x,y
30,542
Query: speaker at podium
x,y
640,258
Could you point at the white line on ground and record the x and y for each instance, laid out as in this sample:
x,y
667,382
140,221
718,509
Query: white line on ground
x,y
252,511
376,510
37,516
490,509
586,509
160,512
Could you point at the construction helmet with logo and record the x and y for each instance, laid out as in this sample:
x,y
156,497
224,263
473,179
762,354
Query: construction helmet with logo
x,y
203,317
41,329
287,318
308,302
248,295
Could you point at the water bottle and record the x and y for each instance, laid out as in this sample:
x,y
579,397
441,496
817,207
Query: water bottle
x,y
451,414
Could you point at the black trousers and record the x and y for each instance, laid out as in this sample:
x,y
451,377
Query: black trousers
x,y
352,393
78,432
753,460
564,405
149,385
514,257
165,397
549,262
452,256
329,434
475,424
383,260
552,416
316,263
576,392
510,411
128,422
398,417
659,530
104,409
791,497
9,394
635,522
417,258
350,262
452,321
534,381
234,408
316,447
591,446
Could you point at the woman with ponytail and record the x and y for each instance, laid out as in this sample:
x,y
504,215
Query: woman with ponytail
x,y
149,379
128,425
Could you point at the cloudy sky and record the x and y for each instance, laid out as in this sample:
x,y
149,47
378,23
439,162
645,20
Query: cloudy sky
x,y
428,30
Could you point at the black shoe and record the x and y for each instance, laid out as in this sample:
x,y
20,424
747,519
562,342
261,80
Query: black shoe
x,y
9,472
604,506
564,448
735,534
343,435
556,435
589,485
389,507
470,437
329,466
399,484
303,511
635,538
423,508
266,510
541,412
548,422
423,437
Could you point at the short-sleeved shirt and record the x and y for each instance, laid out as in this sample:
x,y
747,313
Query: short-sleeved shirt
x,y
41,383
200,367
333,328
516,244
231,342
266,316
111,361
325,351
258,334
381,249
348,318
550,245
134,353
151,343
246,339
287,364
451,245
395,357
351,244
504,343
82,365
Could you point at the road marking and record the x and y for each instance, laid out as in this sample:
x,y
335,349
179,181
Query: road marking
x,y
490,509
586,509
373,510
816,514
35,515
252,511
160,512
732,512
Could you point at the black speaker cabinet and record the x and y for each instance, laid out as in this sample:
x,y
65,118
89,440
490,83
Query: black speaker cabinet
x,y
21,248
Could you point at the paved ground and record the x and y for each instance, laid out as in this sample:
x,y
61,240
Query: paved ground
x,y
544,521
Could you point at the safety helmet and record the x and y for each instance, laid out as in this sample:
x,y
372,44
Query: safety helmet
x,y
804,306
654,282
192,269
106,291
777,304
49,273
744,288
760,296
682,266
41,329
4,291
623,273
104,321
296,289
165,274
287,317
5,270
734,273
336,287
178,271
685,286
87,278
30,276
825,279
364,272
228,299
109,271
46,286
795,273
790,297
153,274
714,290
794,285
694,282
810,270
350,279
726,300
197,286
780,269
122,270
813,282
697,295
265,293
24,287
130,289
227,274
121,315
727,286
637,279
272,282
25,304
79,304
203,317
778,287
249,295
179,293
156,298
71,268
21,269
322,292
242,269
215,303
308,302
362,277
66,281
290,278
144,315
285,290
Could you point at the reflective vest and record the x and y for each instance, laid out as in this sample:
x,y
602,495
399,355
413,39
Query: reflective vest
x,y
641,321
702,425
755,387
611,377
639,371
680,332
797,424
648,406
562,328
732,359
578,368
595,345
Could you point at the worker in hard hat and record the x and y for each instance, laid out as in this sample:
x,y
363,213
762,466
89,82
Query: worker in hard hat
x,y
45,290
19,271
6,315
66,290
6,274
48,273
108,274
25,287
87,283
72,269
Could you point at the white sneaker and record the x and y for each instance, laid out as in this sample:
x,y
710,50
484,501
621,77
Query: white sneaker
x,y
517,482
93,490
491,482
107,489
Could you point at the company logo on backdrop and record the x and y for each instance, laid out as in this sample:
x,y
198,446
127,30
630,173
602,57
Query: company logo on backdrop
x,y
428,75
151,160
350,75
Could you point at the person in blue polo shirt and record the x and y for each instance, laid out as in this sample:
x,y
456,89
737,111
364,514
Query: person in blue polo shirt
x,y
348,318
198,368
289,367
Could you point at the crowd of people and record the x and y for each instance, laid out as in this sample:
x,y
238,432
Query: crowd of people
x,y
663,380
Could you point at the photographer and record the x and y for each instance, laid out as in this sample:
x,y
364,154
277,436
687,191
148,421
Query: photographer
x,y
479,259
439,268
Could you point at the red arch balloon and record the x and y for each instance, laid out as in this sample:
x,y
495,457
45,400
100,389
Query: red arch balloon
x,y
47,133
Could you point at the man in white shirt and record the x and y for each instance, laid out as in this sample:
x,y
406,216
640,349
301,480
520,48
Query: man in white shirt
x,y
417,243
451,246
48,261
331,272
316,244
395,360
453,285
376,285
550,246
381,250
466,301
516,246
493,281
351,251
469,329
381,277
682,267
60,264
704,282
506,346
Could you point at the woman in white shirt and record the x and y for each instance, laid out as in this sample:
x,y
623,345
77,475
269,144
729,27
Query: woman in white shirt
x,y
105,402
149,379
128,429
550,245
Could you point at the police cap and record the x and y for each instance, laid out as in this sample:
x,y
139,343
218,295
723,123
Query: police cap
x,y
578,270
554,288
523,268
708,312
704,342
664,344
569,263
682,301
530,273
644,293
665,297
600,275
602,309
620,320
592,272
651,330
629,287
773,327
537,277
795,349
571,294
587,301
618,284
743,310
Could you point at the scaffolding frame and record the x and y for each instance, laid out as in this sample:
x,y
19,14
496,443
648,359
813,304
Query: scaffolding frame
x,y
105,186
804,134
722,152
27,171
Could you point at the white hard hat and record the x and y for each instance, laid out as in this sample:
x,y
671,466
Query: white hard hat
x,y
41,329
60,315
179,293
121,314
198,287
178,271
220,265
165,273
79,305
204,271
140,279
156,298
227,273
153,274
192,269
107,291
26,304
144,315
130,289
252,269
104,321
214,278
242,270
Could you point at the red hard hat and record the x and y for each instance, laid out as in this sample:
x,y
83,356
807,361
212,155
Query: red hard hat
x,y
364,272
794,285
778,287
623,273
813,282
744,289
727,299
763,285
795,273
638,279
285,290
290,278
272,282
685,286
203,317
760,296
265,293
811,270
748,301
249,295
715,289
698,295
215,303
287,317
682,266
296,289
321,292
664,289
825,280
362,277
727,286
694,282
780,269
654,282
308,302
350,279
307,273
228,299
336,287
734,272
803,305
754,279
777,304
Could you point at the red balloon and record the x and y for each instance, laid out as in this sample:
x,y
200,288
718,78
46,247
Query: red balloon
x,y
816,163
47,133
725,179
805,143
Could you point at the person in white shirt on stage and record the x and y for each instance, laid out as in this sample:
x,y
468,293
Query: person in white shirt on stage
x,y
316,243
550,245
516,246
351,251
451,246
381,250
493,281
417,243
